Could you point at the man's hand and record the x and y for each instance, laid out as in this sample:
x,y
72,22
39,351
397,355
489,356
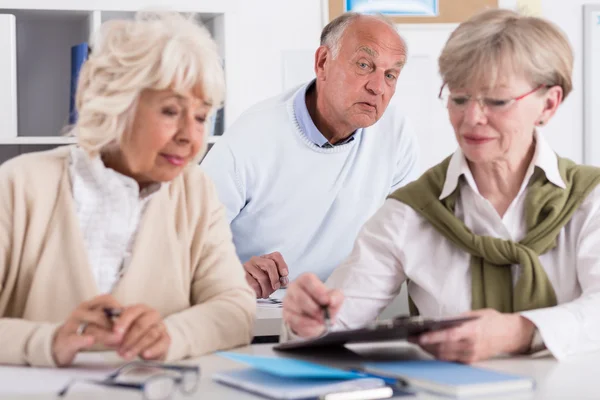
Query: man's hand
x,y
267,273
145,334
489,335
303,305
70,340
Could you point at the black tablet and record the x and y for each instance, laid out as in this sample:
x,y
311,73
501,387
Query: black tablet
x,y
379,331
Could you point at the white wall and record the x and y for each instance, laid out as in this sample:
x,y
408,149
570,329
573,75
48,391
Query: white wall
x,y
259,32
566,131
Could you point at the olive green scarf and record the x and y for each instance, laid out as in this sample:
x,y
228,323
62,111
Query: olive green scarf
x,y
547,209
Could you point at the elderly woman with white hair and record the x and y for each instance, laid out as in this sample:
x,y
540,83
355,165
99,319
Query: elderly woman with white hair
x,y
125,220
504,229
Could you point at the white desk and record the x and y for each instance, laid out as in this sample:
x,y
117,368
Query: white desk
x,y
575,379
268,321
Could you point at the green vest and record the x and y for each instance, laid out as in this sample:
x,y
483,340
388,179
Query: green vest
x,y
548,208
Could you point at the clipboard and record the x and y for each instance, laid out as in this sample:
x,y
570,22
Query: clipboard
x,y
398,328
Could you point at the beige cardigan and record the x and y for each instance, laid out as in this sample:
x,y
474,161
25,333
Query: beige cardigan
x,y
183,264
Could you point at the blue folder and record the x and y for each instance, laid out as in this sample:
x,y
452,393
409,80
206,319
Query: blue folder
x,y
79,53
451,379
286,378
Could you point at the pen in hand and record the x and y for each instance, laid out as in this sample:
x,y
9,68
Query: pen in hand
x,y
327,319
112,313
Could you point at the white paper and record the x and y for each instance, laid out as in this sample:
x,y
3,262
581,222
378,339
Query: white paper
x,y
31,380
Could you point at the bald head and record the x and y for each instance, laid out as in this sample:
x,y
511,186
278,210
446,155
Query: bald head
x,y
332,34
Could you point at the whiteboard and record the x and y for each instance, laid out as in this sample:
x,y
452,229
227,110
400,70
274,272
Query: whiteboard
x,y
591,84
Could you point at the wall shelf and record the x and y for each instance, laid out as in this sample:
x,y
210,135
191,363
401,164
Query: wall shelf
x,y
44,37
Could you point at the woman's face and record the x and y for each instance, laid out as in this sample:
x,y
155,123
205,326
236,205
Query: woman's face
x,y
493,124
166,135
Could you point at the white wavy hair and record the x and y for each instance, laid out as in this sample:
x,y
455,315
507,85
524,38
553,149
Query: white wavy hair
x,y
156,50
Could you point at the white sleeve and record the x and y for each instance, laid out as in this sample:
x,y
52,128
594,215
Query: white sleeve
x,y
222,166
371,277
574,328
407,164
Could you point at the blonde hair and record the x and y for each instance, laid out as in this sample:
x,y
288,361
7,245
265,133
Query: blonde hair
x,y
156,50
491,42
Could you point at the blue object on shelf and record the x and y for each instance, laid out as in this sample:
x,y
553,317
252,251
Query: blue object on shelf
x,y
79,53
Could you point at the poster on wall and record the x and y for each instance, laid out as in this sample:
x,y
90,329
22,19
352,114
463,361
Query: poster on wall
x,y
591,84
414,11
394,7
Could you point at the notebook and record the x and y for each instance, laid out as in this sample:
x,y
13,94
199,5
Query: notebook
x,y
277,387
451,379
285,378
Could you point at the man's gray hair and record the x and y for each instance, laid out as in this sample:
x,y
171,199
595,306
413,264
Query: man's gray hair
x,y
332,34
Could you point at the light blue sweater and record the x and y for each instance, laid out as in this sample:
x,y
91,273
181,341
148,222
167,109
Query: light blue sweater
x,y
284,193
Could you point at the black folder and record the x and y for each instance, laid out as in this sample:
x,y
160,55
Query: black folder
x,y
398,328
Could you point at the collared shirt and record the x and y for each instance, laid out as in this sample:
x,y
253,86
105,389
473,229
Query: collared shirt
x,y
397,244
109,207
306,123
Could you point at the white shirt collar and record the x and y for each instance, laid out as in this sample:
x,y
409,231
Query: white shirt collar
x,y
82,165
544,158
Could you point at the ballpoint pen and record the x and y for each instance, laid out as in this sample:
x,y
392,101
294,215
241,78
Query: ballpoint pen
x,y
327,318
112,313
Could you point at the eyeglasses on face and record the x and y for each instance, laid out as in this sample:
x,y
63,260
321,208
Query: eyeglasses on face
x,y
156,387
460,102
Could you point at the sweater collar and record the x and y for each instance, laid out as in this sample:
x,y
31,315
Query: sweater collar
x,y
544,157
307,125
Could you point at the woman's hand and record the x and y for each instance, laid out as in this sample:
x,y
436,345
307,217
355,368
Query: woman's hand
x,y
491,334
145,334
86,326
303,305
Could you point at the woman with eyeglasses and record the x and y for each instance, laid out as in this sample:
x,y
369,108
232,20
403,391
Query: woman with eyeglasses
x,y
504,229
120,242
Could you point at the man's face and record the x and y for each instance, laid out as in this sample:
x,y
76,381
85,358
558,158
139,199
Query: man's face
x,y
359,83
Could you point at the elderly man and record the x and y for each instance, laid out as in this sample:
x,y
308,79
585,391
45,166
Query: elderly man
x,y
300,173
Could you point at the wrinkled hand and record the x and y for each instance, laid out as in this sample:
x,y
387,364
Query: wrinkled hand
x,y
266,273
491,334
145,334
303,305
67,343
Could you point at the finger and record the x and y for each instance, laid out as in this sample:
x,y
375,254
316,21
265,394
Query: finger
x,y
148,337
302,325
262,278
284,281
336,299
446,335
456,351
254,285
96,317
298,301
66,349
140,327
128,317
270,268
159,349
282,266
102,336
315,288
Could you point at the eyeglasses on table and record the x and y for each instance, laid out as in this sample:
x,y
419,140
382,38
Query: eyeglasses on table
x,y
156,387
